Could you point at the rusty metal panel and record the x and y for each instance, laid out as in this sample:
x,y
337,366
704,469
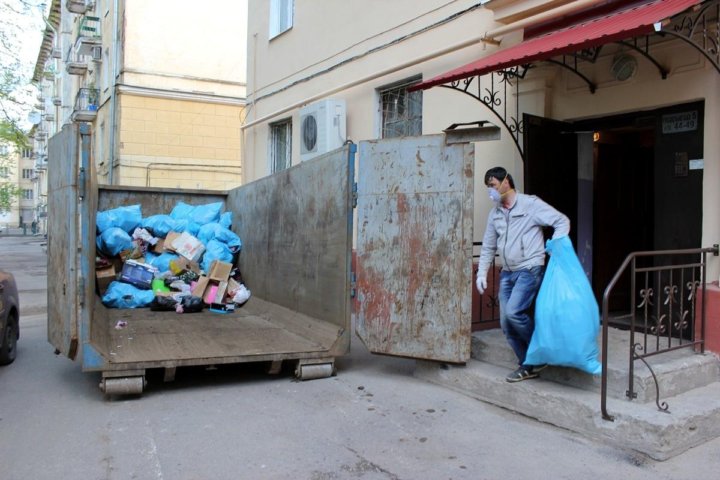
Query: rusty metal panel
x,y
414,247
62,225
296,229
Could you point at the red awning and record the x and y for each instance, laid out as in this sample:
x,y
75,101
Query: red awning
x,y
619,25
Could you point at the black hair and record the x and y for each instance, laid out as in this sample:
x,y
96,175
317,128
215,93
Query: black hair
x,y
500,174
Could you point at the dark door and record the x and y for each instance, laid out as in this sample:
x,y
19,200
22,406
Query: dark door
x,y
551,165
624,207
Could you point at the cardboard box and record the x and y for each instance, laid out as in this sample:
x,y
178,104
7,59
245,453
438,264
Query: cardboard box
x,y
159,247
188,246
139,274
183,264
220,271
221,292
104,277
169,239
200,286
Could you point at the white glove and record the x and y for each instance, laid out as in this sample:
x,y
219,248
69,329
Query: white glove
x,y
481,283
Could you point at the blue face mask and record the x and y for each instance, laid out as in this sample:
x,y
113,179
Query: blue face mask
x,y
494,194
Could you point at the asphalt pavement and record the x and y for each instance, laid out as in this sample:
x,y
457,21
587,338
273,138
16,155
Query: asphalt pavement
x,y
374,420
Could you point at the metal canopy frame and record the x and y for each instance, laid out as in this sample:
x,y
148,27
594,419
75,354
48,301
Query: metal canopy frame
x,y
698,27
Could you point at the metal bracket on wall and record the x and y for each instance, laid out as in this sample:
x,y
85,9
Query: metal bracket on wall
x,y
492,91
700,27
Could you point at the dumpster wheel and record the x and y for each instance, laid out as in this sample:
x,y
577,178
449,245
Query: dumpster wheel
x,y
123,385
310,370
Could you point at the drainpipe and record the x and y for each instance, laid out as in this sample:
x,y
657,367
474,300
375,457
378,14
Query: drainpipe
x,y
113,90
488,36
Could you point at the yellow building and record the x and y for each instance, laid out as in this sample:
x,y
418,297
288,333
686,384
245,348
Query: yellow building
x,y
162,85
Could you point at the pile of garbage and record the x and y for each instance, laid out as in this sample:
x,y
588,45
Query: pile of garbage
x,y
182,261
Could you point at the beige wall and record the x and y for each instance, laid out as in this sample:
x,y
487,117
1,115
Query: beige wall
x,y
186,45
291,68
178,143
340,32
180,91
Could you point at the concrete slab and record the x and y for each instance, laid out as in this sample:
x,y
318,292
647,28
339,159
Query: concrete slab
x,y
694,416
677,372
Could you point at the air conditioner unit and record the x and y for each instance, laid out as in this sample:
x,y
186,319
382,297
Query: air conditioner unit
x,y
96,53
322,127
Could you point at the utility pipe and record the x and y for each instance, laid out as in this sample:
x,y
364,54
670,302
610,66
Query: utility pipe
x,y
113,93
487,36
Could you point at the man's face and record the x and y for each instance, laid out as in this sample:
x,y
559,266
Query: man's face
x,y
500,186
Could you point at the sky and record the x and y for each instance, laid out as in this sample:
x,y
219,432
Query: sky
x,y
22,26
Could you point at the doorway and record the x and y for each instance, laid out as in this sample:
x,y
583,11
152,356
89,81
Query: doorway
x,y
645,185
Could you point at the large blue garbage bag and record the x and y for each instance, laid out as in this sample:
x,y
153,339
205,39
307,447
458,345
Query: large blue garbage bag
x,y
127,218
567,317
200,214
124,295
159,225
215,231
113,241
215,250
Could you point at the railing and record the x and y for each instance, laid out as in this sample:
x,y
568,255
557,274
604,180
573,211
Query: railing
x,y
665,312
89,27
87,99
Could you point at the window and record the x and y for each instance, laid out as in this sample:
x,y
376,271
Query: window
x,y
281,16
27,153
401,110
4,172
27,173
27,194
4,150
280,145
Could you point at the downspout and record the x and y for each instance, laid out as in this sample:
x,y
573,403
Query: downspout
x,y
488,37
113,90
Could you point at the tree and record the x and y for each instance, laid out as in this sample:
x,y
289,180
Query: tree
x,y
20,36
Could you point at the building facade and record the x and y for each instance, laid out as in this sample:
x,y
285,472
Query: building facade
x,y
162,87
17,173
619,134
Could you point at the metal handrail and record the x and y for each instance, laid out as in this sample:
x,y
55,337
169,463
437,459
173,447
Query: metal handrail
x,y
631,258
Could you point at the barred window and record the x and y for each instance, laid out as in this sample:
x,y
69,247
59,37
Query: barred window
x,y
27,173
280,145
401,110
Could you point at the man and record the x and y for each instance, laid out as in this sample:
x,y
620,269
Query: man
x,y
514,228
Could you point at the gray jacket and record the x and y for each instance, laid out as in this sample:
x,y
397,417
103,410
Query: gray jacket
x,y
516,234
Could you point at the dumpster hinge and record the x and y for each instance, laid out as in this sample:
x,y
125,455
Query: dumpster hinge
x,y
353,285
354,195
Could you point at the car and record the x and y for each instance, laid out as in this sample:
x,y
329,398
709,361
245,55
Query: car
x,y
9,318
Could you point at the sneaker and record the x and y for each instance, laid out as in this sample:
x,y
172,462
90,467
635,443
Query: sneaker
x,y
538,368
521,374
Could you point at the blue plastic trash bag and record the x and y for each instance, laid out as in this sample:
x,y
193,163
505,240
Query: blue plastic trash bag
x,y
185,225
160,225
162,261
215,250
113,241
226,219
127,218
200,214
215,231
567,317
124,295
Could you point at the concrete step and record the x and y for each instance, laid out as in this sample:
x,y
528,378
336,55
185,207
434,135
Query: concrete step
x,y
677,372
693,418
